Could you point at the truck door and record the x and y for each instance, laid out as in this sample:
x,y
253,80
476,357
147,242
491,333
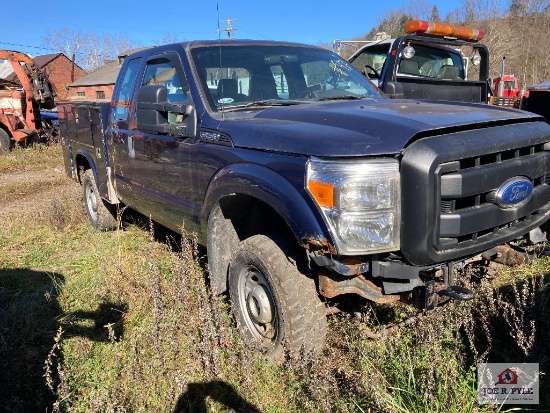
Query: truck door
x,y
161,169
121,150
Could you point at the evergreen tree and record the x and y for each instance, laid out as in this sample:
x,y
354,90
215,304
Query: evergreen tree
x,y
434,15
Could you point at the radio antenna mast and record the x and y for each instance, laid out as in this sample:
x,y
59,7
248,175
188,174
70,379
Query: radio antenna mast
x,y
229,28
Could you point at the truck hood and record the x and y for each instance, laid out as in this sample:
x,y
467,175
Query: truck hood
x,y
356,128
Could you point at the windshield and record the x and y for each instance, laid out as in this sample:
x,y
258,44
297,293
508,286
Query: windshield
x,y
244,76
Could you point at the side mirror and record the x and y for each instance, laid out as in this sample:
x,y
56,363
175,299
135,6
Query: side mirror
x,y
154,110
394,90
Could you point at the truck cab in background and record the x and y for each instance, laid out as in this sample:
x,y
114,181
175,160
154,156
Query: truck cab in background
x,y
432,61
506,91
510,86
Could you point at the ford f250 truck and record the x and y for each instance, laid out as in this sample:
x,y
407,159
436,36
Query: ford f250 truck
x,y
303,182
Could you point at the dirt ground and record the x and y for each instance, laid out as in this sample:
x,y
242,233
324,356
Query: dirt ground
x,y
32,191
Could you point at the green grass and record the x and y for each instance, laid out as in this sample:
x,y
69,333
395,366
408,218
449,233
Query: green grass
x,y
127,324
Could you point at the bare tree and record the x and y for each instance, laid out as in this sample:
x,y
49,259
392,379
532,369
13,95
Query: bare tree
x,y
90,51
529,25
66,41
393,21
170,37
418,9
518,33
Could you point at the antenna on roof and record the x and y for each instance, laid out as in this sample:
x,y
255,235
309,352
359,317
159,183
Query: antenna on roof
x,y
229,28
220,46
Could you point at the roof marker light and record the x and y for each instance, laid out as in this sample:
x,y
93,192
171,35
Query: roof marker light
x,y
443,29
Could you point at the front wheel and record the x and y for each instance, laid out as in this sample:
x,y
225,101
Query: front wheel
x,y
276,307
5,141
102,216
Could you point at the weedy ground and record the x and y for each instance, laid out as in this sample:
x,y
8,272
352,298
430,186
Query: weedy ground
x,y
124,322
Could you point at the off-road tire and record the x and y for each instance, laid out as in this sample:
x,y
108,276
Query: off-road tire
x,y
102,215
5,141
264,283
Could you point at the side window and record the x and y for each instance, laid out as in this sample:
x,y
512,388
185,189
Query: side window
x,y
122,96
162,71
374,57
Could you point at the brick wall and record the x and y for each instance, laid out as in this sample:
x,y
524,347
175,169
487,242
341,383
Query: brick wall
x,y
59,73
90,92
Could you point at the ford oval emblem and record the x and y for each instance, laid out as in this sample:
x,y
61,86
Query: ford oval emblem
x,y
514,192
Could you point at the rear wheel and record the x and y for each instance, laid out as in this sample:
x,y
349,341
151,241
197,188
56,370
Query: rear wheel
x,y
276,307
5,141
102,216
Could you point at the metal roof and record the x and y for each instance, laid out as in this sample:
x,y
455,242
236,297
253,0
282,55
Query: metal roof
x,y
105,75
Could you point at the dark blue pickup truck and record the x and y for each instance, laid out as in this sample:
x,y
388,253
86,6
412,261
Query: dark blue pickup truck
x,y
304,182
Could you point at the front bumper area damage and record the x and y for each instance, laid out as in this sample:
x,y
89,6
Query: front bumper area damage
x,y
392,278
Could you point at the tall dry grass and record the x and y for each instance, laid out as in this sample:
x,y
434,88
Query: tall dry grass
x,y
123,322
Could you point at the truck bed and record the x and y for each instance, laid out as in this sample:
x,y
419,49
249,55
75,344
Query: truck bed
x,y
83,127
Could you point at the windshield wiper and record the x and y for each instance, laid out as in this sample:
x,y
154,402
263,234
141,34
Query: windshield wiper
x,y
262,103
346,97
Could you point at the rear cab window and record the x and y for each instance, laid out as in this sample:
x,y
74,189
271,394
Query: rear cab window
x,y
427,61
432,62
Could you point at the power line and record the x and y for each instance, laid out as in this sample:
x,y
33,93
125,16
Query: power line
x,y
27,46
247,29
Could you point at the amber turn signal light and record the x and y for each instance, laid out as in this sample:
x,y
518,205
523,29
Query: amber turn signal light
x,y
322,192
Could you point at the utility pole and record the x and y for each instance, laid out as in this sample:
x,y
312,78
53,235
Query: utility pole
x,y
229,28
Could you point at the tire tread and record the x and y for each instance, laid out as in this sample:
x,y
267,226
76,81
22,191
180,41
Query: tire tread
x,y
304,311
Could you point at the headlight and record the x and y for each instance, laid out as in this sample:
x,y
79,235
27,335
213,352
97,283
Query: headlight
x,y
360,201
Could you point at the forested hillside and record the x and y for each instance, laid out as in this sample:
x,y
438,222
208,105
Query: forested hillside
x,y
520,32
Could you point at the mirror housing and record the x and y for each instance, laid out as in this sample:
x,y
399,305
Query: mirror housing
x,y
394,90
153,110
